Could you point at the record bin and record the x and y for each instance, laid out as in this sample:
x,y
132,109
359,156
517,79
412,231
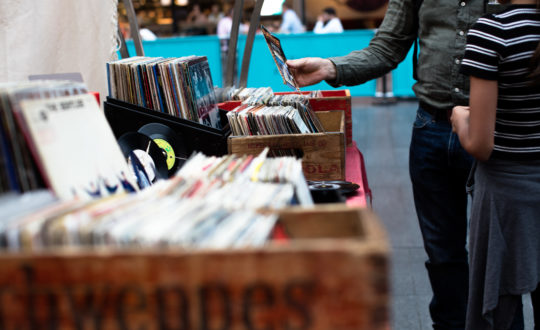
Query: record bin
x,y
330,100
325,275
323,154
126,117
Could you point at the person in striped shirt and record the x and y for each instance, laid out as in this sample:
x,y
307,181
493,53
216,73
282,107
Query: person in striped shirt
x,y
500,127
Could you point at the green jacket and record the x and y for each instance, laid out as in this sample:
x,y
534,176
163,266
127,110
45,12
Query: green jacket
x,y
442,33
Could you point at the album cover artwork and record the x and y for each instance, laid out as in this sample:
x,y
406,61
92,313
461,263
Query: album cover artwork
x,y
75,147
203,90
181,87
279,57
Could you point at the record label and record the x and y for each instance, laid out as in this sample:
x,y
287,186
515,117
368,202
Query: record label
x,y
170,142
169,151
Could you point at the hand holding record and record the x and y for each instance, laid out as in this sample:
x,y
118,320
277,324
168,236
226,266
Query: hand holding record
x,y
279,57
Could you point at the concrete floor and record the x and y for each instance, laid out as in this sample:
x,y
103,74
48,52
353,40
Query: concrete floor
x,y
382,133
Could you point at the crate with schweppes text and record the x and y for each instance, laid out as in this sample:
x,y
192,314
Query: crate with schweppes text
x,y
323,154
319,275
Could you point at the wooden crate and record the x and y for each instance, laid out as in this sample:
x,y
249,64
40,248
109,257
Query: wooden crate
x,y
332,274
331,100
323,153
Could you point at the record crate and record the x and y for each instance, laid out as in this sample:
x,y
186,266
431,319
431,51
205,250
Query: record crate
x,y
330,100
125,117
323,154
332,272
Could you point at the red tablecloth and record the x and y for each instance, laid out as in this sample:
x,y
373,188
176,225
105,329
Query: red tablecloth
x,y
355,172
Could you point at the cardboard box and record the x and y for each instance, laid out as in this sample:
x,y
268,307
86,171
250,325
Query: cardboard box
x,y
332,274
323,154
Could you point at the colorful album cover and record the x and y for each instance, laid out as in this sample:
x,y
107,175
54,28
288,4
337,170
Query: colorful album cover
x,y
279,57
203,92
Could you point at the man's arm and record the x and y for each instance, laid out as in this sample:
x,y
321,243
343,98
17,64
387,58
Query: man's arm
x,y
385,51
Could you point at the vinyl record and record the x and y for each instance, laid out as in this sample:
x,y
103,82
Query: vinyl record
x,y
322,186
148,153
170,142
344,187
325,192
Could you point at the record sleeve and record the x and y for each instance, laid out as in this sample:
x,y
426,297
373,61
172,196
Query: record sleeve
x,y
274,45
74,167
203,93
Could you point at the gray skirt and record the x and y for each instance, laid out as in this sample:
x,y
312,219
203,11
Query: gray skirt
x,y
504,242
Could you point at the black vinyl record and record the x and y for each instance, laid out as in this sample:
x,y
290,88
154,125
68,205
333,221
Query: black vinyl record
x,y
322,192
149,153
321,186
170,143
344,187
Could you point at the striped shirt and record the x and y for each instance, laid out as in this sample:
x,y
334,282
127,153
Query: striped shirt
x,y
499,47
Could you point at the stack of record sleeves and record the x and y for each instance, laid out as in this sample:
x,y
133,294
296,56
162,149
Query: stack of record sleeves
x,y
263,113
53,134
212,202
181,87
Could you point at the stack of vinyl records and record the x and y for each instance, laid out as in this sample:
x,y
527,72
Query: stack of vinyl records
x,y
243,93
53,134
263,113
260,95
212,202
181,87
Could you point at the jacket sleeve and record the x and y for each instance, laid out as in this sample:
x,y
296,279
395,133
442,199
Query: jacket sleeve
x,y
386,50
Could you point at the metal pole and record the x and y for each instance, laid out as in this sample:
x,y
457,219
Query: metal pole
x,y
134,27
233,41
124,53
253,25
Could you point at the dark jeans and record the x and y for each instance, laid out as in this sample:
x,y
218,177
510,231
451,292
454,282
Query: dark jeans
x,y
439,168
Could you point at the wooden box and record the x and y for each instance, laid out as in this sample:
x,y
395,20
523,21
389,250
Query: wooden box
x,y
323,153
331,274
329,101
333,100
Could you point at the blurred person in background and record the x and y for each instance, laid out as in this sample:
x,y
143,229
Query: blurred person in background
x,y
145,33
290,22
215,14
196,15
196,22
328,22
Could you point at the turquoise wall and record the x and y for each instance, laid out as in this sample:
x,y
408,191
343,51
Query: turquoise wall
x,y
263,71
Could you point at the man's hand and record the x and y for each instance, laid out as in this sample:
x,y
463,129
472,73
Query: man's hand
x,y
311,70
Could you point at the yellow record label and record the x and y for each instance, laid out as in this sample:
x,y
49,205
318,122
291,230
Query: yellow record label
x,y
168,150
